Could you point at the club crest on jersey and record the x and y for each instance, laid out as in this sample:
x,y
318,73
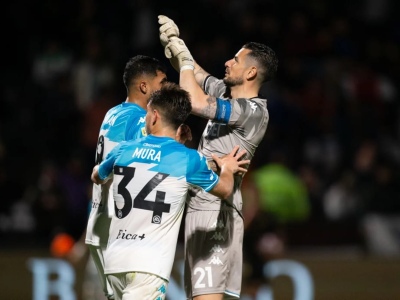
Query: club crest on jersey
x,y
156,219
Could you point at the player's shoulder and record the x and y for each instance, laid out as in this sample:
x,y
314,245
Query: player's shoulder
x,y
178,149
193,154
131,108
257,99
126,108
253,103
261,102
111,111
136,142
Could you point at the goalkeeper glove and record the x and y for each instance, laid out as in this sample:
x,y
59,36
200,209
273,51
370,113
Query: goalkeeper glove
x,y
181,58
168,26
167,29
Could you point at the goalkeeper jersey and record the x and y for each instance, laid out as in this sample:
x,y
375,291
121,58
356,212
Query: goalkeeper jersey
x,y
151,179
125,121
241,121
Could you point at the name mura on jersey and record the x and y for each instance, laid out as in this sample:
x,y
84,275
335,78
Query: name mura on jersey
x,y
147,154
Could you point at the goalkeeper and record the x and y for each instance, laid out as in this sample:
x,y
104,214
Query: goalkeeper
x,y
237,116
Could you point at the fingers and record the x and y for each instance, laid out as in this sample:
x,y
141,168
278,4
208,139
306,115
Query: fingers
x,y
169,29
241,154
164,42
218,161
215,157
238,166
234,151
164,39
167,53
236,154
241,170
168,26
243,162
163,19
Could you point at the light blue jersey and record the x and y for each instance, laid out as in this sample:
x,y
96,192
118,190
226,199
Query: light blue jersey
x,y
125,121
152,176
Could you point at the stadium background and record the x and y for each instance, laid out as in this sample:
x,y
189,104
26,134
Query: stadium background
x,y
334,125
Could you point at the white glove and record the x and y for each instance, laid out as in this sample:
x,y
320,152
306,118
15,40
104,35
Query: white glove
x,y
168,26
167,29
181,58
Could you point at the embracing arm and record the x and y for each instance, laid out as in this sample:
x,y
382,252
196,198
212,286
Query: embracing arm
x,y
230,164
96,177
104,171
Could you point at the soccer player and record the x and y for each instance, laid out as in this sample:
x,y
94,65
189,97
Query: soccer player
x,y
142,76
151,177
237,116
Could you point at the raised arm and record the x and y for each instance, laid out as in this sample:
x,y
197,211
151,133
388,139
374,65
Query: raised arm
x,y
200,74
203,105
192,75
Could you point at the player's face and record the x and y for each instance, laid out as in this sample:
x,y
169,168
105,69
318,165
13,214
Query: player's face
x,y
157,82
235,68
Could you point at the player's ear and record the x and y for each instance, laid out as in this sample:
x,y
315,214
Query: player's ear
x,y
156,117
143,87
251,73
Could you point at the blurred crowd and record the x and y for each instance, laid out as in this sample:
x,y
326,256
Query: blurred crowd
x,y
327,171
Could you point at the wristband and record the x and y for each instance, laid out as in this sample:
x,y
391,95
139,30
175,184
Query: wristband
x,y
187,67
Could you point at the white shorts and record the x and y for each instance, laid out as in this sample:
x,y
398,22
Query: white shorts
x,y
136,285
97,254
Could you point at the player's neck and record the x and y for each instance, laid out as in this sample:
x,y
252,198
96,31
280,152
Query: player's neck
x,y
163,131
138,101
242,91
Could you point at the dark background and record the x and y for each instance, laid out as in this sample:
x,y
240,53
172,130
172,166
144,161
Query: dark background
x,y
334,109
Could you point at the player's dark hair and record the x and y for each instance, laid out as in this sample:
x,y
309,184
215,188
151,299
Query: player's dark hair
x,y
140,65
173,103
266,58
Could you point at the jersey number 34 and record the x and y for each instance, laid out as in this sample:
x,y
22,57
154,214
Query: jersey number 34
x,y
158,206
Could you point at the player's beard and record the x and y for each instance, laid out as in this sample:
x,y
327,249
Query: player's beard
x,y
229,81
